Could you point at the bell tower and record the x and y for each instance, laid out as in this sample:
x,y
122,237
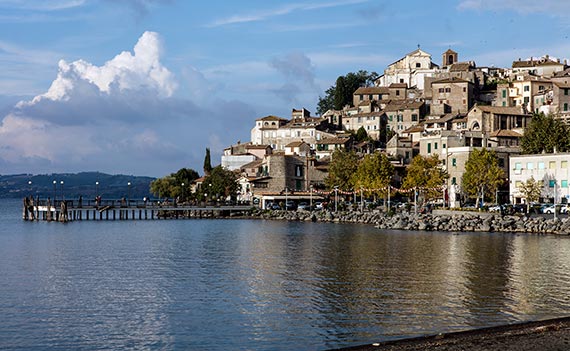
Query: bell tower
x,y
448,58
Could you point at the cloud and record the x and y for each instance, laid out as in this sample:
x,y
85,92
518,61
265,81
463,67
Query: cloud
x,y
41,5
120,117
554,7
295,66
281,11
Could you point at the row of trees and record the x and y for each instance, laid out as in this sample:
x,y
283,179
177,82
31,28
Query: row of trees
x,y
482,177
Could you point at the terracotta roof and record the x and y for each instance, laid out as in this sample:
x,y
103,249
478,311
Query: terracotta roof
x,y
252,164
450,80
449,51
405,105
460,67
366,114
564,73
295,143
535,63
501,110
333,141
415,129
445,118
398,85
372,90
506,133
271,118
257,147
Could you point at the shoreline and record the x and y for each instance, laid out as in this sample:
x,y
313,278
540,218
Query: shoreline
x,y
543,335
439,220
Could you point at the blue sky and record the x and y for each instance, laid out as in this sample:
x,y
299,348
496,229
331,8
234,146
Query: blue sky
x,y
144,86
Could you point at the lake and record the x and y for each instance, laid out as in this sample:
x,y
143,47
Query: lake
x,y
262,285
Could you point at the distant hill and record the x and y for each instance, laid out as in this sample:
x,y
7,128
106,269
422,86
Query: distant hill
x,y
74,185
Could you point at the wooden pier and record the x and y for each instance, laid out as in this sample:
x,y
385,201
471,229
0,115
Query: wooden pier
x,y
111,210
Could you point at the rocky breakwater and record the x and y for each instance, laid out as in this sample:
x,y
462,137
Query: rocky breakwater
x,y
451,221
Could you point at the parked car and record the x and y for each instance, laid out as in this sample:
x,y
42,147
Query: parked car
x,y
290,205
303,206
548,209
318,206
496,208
275,207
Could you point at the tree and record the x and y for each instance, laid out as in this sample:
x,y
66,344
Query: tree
x,y
207,162
342,167
220,184
374,171
545,134
531,190
426,174
482,175
340,94
361,134
171,185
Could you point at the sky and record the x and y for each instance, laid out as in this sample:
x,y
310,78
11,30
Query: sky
x,y
143,87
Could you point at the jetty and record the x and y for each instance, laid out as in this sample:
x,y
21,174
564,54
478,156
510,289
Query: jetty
x,y
121,209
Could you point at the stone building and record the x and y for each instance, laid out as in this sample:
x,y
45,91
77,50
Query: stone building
x,y
403,114
452,95
410,70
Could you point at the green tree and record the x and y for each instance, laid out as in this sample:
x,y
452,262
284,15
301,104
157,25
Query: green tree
x,y
482,175
172,185
545,134
531,190
220,184
340,94
207,162
427,175
342,167
374,171
361,134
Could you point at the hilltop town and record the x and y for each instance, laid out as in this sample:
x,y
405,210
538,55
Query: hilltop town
x,y
417,107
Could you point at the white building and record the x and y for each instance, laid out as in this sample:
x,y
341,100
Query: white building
x,y
550,169
410,69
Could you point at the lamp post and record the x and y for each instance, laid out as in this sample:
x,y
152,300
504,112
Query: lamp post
x,y
62,197
361,200
30,185
336,198
129,194
182,191
54,192
286,189
96,189
311,197
448,177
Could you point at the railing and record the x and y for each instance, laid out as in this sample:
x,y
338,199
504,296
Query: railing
x,y
123,203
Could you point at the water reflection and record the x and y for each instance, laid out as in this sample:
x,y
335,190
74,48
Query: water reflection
x,y
215,285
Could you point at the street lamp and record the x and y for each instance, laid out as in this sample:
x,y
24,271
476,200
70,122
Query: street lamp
x,y
129,194
336,198
96,189
62,197
286,189
311,197
54,192
182,192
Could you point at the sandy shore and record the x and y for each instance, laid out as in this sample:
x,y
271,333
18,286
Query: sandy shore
x,y
547,335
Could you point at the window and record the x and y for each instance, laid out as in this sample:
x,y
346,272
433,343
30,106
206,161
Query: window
x,y
565,106
435,146
390,118
541,87
454,162
298,171
298,133
504,93
370,97
504,104
441,90
448,90
429,148
526,88
566,91
551,183
414,117
464,89
541,165
444,145
529,165
418,65
563,164
564,183
518,166
551,164
401,80
526,99
501,162
361,97
397,93
464,102
518,184
453,180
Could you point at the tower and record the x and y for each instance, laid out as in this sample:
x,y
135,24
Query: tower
x,y
449,57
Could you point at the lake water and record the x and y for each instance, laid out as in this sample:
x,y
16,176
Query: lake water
x,y
262,285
